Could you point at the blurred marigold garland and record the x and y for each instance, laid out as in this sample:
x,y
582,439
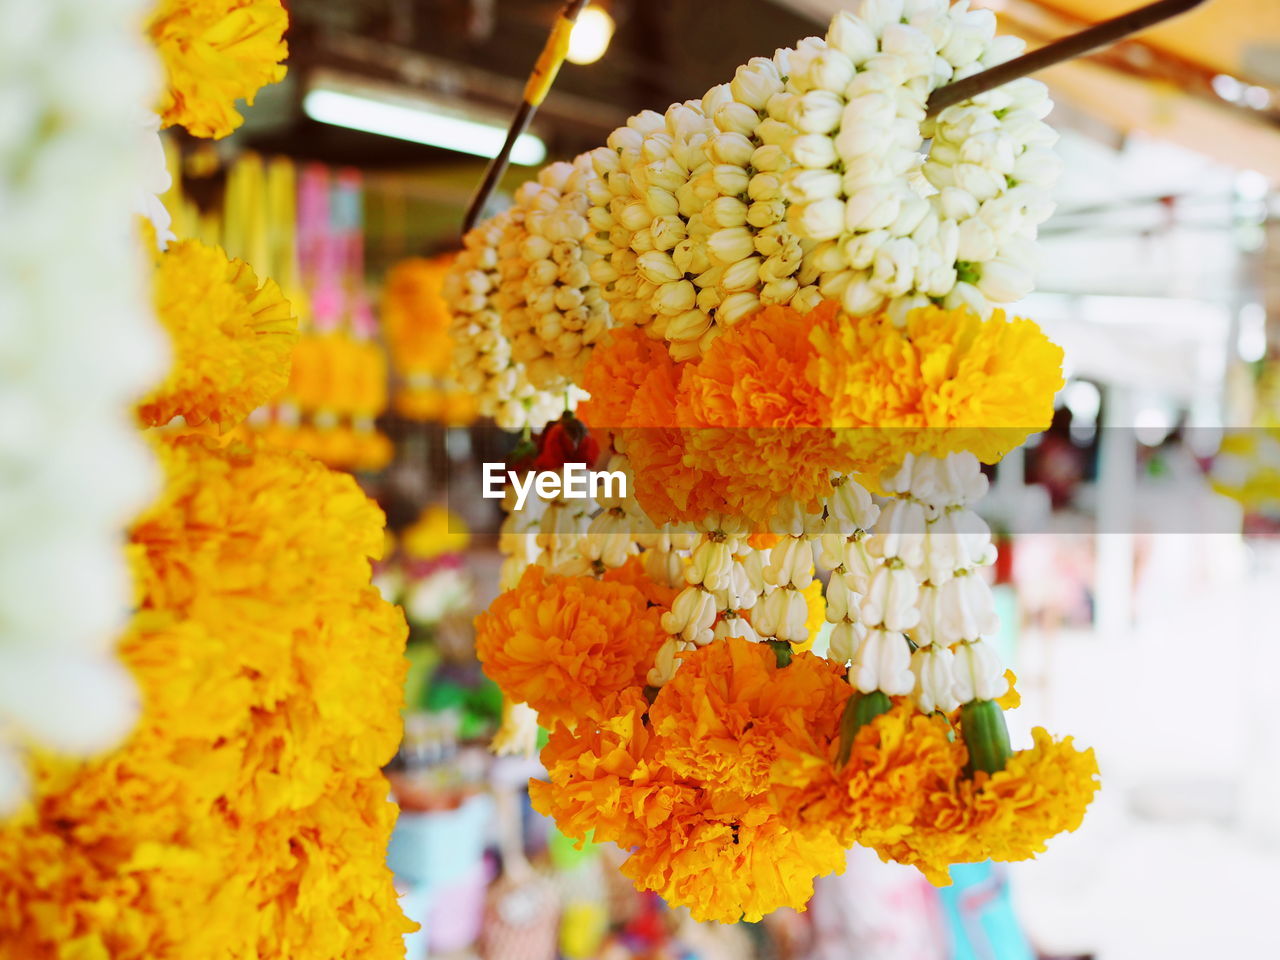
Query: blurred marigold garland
x,y
247,815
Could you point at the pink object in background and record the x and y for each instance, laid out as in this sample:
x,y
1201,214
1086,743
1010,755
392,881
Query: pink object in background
x,y
876,911
457,911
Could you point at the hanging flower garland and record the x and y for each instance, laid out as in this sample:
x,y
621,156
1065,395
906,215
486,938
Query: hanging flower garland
x,y
246,816
801,313
77,346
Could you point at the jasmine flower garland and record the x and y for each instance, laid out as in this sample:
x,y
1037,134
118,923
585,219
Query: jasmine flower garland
x,y
78,344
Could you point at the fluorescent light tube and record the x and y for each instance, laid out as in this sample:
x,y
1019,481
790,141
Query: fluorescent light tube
x,y
419,124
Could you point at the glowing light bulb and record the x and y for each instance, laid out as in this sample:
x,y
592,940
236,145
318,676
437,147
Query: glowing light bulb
x,y
591,35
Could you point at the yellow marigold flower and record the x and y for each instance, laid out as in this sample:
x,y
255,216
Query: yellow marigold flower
x,y
216,52
752,418
232,338
894,761
1007,816
567,645
701,786
1040,793
945,382
250,794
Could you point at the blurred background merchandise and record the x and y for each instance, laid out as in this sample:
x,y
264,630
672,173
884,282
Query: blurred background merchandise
x,y
1137,532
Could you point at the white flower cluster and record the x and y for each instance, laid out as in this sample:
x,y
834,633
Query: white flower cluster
x,y
78,346
482,352
644,216
887,222
552,311
723,579
918,576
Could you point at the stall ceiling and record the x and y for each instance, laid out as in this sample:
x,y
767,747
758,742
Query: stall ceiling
x,y
1238,37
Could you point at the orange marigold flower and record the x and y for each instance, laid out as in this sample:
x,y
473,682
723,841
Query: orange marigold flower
x,y
735,722
604,781
232,338
946,381
619,364
752,418
566,645
726,872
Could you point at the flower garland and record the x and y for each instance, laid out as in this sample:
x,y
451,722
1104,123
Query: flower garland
x,y
246,816
77,346
250,794
801,310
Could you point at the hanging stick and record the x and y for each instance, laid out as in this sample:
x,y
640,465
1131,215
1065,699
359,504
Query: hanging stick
x,y
535,91
1075,45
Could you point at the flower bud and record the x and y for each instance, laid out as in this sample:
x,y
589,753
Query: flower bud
x,y
872,208
658,267
730,244
726,212
812,150
811,186
818,111
688,326
729,179
755,82
1003,282
733,148
737,307
831,69
852,37
860,298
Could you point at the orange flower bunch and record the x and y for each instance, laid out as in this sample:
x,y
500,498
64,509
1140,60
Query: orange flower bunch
x,y
730,786
568,646
782,400
702,783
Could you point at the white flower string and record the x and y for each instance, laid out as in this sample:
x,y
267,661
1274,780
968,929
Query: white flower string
x,y
890,223
78,345
813,175
483,356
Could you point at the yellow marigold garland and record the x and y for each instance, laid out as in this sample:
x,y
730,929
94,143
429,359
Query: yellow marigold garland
x,y
232,337
251,795
216,52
